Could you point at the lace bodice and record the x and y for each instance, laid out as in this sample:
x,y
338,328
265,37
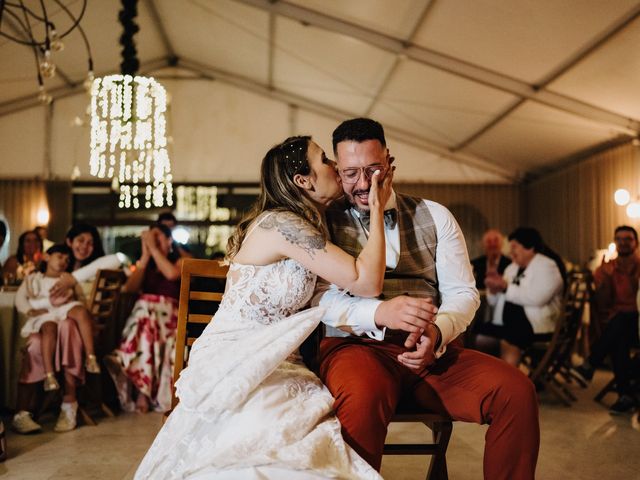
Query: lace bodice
x,y
266,293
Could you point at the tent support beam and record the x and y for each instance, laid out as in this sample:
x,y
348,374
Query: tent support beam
x,y
410,38
452,65
254,86
584,52
166,42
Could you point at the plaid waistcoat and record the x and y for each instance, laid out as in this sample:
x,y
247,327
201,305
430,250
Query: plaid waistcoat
x,y
415,274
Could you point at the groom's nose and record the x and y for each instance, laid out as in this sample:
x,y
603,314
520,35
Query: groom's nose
x,y
363,182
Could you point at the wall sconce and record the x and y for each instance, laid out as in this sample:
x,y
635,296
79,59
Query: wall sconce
x,y
622,197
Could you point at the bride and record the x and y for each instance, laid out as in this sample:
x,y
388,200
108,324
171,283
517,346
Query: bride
x,y
249,408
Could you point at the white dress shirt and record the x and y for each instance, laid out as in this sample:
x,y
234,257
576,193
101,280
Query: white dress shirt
x,y
459,297
538,290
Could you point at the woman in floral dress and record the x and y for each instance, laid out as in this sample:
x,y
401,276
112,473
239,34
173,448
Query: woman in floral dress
x,y
144,360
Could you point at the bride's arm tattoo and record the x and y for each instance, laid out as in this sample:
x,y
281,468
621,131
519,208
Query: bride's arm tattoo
x,y
296,231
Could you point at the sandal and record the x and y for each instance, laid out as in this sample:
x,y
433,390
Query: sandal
x,y
50,383
91,364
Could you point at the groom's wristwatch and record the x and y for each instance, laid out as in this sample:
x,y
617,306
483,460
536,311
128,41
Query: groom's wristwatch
x,y
438,337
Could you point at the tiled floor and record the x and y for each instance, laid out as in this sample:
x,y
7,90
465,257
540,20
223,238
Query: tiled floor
x,y
581,442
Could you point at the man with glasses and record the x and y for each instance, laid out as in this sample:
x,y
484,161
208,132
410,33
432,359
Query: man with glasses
x,y
616,291
429,291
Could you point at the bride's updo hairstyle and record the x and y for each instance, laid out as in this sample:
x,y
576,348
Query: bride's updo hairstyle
x,y
277,190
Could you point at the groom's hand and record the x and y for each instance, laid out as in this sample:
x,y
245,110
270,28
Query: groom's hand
x,y
424,354
406,313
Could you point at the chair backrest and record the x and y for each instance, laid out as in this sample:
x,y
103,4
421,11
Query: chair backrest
x,y
104,295
201,288
561,345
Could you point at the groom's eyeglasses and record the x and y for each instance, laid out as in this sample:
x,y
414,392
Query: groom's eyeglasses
x,y
352,175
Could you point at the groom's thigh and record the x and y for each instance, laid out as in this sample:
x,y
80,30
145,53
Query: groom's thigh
x,y
363,377
365,382
471,386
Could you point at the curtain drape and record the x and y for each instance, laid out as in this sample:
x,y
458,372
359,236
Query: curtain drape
x,y
476,207
20,201
574,207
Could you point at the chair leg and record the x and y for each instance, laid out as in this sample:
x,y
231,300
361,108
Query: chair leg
x,y
609,387
106,410
441,435
558,393
86,418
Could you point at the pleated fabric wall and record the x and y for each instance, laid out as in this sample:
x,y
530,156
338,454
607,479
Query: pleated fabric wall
x,y
475,207
20,201
574,207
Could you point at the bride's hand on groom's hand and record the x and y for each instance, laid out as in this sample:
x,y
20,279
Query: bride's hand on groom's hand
x,y
406,313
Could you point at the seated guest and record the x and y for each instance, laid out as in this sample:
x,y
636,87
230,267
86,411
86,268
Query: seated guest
x,y
492,261
27,258
169,219
87,257
527,300
145,355
3,443
43,317
616,293
3,236
43,233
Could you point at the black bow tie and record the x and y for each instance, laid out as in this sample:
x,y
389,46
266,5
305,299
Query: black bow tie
x,y
390,218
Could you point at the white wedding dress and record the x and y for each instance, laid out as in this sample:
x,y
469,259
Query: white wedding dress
x,y
249,408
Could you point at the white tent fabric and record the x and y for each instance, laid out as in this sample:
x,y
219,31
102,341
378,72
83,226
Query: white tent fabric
x,y
469,91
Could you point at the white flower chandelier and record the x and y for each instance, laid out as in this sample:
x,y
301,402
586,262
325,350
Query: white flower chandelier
x,y
128,128
129,141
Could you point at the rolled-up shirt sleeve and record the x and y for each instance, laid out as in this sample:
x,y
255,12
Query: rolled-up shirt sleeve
x,y
107,262
458,294
344,311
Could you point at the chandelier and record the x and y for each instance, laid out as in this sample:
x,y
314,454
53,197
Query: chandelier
x,y
128,129
34,27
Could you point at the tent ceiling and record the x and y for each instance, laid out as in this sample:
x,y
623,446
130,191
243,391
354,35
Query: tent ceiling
x,y
507,87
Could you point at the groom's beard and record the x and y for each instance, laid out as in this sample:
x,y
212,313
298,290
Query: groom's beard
x,y
350,200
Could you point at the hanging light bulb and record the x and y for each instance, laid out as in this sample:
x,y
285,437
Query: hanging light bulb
x,y
56,43
75,173
88,82
622,197
47,67
44,97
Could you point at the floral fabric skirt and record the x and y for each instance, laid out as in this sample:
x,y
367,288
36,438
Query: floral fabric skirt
x,y
147,350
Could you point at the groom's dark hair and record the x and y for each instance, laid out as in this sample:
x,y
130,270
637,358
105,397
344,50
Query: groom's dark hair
x,y
358,130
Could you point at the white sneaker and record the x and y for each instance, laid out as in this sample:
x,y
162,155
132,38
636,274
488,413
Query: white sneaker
x,y
24,424
67,419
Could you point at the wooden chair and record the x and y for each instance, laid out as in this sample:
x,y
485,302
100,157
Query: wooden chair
x,y
441,427
103,307
549,361
201,289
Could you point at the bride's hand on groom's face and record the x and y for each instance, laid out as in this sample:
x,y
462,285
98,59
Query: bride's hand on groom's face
x,y
380,190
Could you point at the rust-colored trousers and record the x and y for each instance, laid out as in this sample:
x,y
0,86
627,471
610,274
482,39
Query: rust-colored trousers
x,y
367,382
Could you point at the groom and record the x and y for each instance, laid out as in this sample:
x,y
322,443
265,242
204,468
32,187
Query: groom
x,y
429,291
